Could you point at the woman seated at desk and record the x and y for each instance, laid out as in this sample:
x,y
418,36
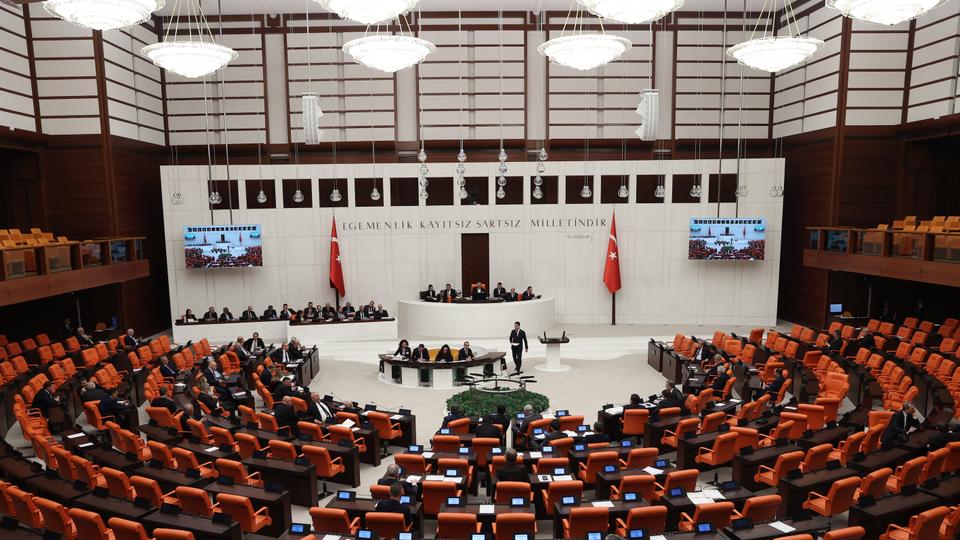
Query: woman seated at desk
x,y
403,350
189,317
444,354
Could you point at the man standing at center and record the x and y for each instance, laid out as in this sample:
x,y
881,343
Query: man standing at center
x,y
518,343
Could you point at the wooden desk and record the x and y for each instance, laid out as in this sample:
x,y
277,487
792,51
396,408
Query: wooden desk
x,y
766,532
653,431
746,467
360,507
676,505
278,504
880,459
672,366
161,435
350,456
19,470
19,533
488,519
56,489
687,449
101,455
794,492
897,509
824,436
109,507
201,527
620,510
581,456
655,355
948,491
169,479
300,480
605,480
208,452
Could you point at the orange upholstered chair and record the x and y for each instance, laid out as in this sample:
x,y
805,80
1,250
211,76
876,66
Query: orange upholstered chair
x,y
90,525
557,490
816,458
686,479
387,524
595,464
456,525
149,490
717,514
585,519
413,463
435,494
124,529
652,519
847,448
241,510
196,501
720,453
785,463
56,519
327,467
334,521
507,526
634,422
874,484
507,491
187,460
118,484
639,458
907,474
921,527
848,533
445,443
760,508
641,484
836,501
237,471
672,438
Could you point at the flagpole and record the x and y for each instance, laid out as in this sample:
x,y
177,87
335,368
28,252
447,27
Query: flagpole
x,y
613,310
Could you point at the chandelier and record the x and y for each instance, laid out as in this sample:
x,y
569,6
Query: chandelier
x,y
583,50
368,11
631,11
195,55
887,12
388,53
103,14
773,53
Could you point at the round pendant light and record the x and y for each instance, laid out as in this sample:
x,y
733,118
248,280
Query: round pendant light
x,y
388,53
775,53
103,14
368,11
585,51
631,11
887,12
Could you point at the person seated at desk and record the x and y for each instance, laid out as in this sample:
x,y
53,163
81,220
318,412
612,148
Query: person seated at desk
x,y
403,350
282,355
499,291
92,392
455,414
448,294
243,354
286,415
210,315
512,471
318,411
295,349
45,399
369,310
487,429
773,389
421,353
167,371
466,353
207,395
214,376
392,477
286,388
310,313
109,404
348,311
430,295
444,354
269,314
671,396
528,416
529,294
130,340
249,315
189,413
720,381
226,315
84,339
67,329
393,504
635,402
836,342
380,313
865,341
254,344
285,312
598,436
500,417
902,423
328,312
189,317
479,291
539,441
511,296
270,377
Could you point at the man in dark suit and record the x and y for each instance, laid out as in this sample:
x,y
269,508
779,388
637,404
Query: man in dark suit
x,y
109,406
295,349
720,381
269,313
773,389
317,410
310,312
348,311
286,415
282,355
286,389
836,342
210,315
552,435
500,417
214,376
430,295
392,476
249,314
499,291
487,429
243,354
285,312
92,392
393,504
466,353
45,400
328,312
598,436
455,414
226,315
130,341
901,424
162,400
380,313
512,471
84,339
254,343
369,310
67,329
479,292
529,294
864,341
167,370
671,396
189,413
518,343
528,416
448,294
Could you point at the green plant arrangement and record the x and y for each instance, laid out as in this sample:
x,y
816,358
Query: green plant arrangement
x,y
476,403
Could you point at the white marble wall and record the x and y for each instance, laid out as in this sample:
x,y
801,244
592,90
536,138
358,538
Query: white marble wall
x,y
659,284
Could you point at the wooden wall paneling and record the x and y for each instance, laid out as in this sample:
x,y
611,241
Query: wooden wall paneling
x,y
440,192
404,192
21,202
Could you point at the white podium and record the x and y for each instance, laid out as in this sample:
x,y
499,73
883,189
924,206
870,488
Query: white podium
x,y
553,354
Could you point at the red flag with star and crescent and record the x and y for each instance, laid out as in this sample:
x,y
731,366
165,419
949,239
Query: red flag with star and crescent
x,y
611,269
336,269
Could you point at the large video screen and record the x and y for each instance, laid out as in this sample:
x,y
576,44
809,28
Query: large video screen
x,y
728,239
222,246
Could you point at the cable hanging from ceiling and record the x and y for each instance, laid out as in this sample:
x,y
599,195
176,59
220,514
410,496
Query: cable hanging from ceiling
x,y
196,55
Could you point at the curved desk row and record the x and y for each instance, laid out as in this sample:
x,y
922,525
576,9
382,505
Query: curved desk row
x,y
441,374
475,319
283,330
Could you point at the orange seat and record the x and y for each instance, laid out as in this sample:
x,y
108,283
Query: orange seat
x,y
508,525
760,508
56,518
25,508
387,524
907,474
282,450
340,433
836,501
672,438
124,529
641,484
187,460
849,533
874,484
456,525
582,520
507,491
717,514
118,484
149,490
237,471
326,466
445,443
785,463
634,422
721,452
435,494
557,490
686,479
816,458
596,462
847,448
639,458
195,501
241,510
923,526
334,521
652,519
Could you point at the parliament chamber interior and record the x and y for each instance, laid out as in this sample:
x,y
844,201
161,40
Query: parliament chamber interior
x,y
479,269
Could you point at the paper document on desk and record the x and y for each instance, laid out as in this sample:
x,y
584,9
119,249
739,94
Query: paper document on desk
x,y
713,494
85,445
652,470
563,478
602,504
452,479
699,498
330,537
348,423
548,416
212,449
414,479
569,433
782,527
732,400
655,537
614,411
544,478
536,455
397,417
427,455
487,509
434,477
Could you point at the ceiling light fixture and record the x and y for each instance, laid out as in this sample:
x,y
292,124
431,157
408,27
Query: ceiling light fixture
x,y
631,11
580,49
387,52
888,12
368,11
773,53
191,56
103,14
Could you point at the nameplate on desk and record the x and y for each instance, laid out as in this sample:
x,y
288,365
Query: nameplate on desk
x,y
487,509
212,449
85,445
544,478
602,504
782,527
563,478
75,435
397,417
536,455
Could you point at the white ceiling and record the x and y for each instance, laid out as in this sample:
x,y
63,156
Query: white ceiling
x,y
245,7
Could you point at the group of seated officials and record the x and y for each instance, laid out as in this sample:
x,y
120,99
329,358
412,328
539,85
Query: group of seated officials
x,y
479,292
328,312
422,353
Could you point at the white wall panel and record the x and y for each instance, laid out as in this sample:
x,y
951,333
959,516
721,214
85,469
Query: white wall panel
x,y
16,92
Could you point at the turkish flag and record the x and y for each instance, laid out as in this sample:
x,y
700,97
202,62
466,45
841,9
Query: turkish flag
x,y
611,269
336,269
